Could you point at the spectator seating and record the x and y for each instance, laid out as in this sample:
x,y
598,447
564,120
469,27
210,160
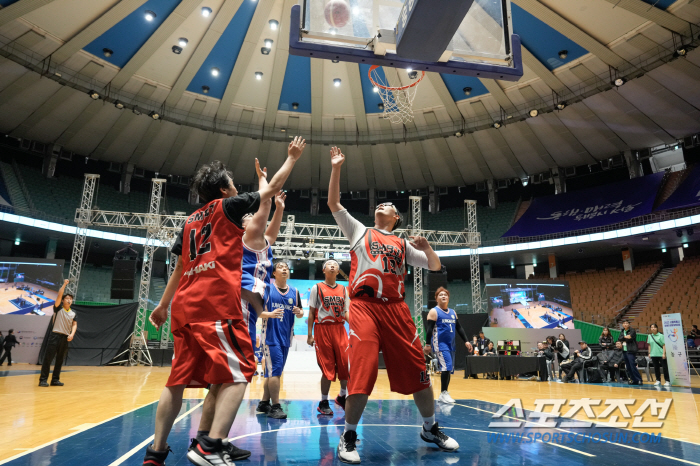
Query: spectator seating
x,y
95,284
491,223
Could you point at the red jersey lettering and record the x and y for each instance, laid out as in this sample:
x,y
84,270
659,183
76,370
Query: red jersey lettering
x,y
330,303
378,266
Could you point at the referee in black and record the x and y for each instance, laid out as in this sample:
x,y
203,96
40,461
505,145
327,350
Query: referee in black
x,y
63,327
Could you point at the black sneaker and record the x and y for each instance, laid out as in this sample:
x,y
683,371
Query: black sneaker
x,y
155,458
276,412
43,383
210,452
340,401
324,408
347,449
436,436
56,383
263,408
234,452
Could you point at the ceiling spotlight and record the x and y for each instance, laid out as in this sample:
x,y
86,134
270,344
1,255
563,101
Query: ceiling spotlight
x,y
205,89
206,11
413,74
268,43
284,130
561,105
409,70
563,54
467,90
459,134
119,105
534,112
380,106
680,52
136,111
273,24
335,60
295,105
215,71
258,75
619,82
107,52
155,115
182,42
336,82
663,249
94,95
375,89
177,50
265,50
525,181
497,124
149,15
685,245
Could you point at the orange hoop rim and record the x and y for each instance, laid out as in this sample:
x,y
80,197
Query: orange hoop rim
x,y
387,88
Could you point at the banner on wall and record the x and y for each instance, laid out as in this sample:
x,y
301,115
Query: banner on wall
x,y
675,350
588,208
687,194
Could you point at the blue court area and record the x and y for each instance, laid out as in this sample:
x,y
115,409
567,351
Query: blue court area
x,y
522,319
389,434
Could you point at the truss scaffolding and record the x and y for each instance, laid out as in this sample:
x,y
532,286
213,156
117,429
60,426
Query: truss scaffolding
x,y
477,305
416,229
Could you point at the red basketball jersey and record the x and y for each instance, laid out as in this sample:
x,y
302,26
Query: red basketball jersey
x,y
330,303
210,286
378,266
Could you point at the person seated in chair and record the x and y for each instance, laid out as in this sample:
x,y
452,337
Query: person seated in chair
x,y
613,363
581,357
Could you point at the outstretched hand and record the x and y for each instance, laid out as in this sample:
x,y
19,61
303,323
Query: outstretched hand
x,y
296,147
262,173
420,243
279,199
337,157
65,282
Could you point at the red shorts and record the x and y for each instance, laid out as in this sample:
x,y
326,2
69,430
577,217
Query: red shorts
x,y
388,327
212,353
332,350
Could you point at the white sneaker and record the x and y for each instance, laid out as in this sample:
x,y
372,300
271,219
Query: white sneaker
x,y
667,384
657,383
445,398
436,436
347,451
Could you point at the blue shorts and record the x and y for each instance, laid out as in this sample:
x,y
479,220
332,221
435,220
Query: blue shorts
x,y
258,353
445,361
275,359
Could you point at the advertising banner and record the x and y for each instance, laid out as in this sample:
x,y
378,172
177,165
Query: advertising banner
x,y
675,350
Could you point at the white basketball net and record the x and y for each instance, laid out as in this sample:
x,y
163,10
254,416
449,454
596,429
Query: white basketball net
x,y
398,101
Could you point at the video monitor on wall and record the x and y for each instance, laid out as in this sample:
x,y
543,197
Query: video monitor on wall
x,y
29,286
529,303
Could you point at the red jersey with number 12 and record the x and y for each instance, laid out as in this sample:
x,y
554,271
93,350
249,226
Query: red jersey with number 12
x,y
378,266
210,286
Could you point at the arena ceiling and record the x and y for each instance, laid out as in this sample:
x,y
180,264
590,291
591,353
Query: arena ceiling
x,y
53,51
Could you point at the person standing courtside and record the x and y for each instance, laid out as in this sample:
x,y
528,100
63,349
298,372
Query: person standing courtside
x,y
628,337
63,330
328,309
7,344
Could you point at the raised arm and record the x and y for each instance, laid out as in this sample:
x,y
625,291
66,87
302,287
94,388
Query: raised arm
x,y
296,147
256,227
273,229
59,298
337,159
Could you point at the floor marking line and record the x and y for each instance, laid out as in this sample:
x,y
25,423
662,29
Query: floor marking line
x,y
140,446
31,450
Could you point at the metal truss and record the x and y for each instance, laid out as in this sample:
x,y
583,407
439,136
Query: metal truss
x,y
470,208
165,334
82,218
417,271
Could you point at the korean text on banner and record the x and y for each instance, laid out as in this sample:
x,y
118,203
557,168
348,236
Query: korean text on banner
x,y
675,350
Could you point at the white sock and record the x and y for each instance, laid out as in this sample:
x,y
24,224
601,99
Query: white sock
x,y
343,392
428,422
324,397
349,427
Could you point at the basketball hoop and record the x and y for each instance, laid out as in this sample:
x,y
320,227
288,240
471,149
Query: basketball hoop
x,y
398,101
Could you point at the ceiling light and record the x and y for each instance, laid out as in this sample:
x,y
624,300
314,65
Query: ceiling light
x,y
177,50
681,51
561,105
375,89
380,106
273,24
409,70
335,60
94,95
467,90
205,89
413,74
512,266
497,124
16,241
534,112
155,115
685,245
525,181
107,52
206,11
563,54
619,82
663,249
268,43
182,42
295,105
215,71
136,111
149,15
284,130
336,82
265,50
119,105
458,134
258,75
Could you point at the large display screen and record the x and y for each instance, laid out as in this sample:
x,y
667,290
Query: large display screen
x,y
29,286
529,304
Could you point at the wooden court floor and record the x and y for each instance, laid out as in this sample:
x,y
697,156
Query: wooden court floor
x,y
33,417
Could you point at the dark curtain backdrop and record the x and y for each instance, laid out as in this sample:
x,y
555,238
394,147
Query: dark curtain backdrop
x,y
472,325
101,332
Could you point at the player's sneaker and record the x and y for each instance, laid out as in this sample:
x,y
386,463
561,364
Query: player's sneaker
x,y
436,436
210,452
657,382
445,398
276,412
324,408
340,400
263,408
667,384
233,451
155,458
347,451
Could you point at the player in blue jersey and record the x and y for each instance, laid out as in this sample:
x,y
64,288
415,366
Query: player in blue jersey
x,y
282,303
442,325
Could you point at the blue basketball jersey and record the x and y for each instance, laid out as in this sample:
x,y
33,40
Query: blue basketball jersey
x,y
444,331
279,332
257,268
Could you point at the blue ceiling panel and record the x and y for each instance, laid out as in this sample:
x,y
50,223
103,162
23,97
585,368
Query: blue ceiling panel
x,y
371,98
297,85
456,84
662,4
4,3
543,41
225,53
126,37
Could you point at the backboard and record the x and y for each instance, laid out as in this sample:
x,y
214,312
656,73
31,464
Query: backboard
x,y
483,45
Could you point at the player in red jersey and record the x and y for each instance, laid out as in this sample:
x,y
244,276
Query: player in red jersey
x,y
328,309
380,318
212,342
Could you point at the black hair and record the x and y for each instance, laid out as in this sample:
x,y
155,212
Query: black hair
x,y
10,331
625,321
654,325
209,180
551,339
280,262
399,221
68,294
